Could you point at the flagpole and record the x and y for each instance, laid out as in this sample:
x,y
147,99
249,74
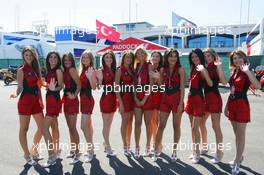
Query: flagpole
x,y
248,11
240,14
96,44
129,13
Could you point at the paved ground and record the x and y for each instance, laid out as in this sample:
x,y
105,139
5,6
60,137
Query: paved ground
x,y
12,161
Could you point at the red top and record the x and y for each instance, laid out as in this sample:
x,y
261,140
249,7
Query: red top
x,y
240,82
142,75
126,76
51,74
67,78
30,77
70,85
212,71
108,76
196,79
84,80
173,79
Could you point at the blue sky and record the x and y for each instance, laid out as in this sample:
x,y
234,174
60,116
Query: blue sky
x,y
83,13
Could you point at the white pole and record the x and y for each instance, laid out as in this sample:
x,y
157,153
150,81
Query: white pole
x,y
240,22
136,12
248,11
172,38
129,14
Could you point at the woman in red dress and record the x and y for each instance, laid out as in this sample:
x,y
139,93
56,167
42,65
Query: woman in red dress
x,y
142,97
125,80
108,101
213,102
172,76
195,106
237,108
54,83
88,83
157,63
72,86
30,102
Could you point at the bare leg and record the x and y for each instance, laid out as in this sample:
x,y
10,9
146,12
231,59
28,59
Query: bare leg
x,y
129,129
218,132
37,137
138,123
155,125
148,124
196,134
241,137
107,123
55,134
203,132
177,129
87,128
163,118
75,140
24,124
47,136
124,129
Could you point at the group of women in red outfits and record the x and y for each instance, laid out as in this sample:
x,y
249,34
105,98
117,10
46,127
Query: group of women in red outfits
x,y
140,89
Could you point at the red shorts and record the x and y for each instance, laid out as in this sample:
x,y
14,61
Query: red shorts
x,y
28,104
87,104
108,103
238,110
53,106
128,102
195,106
156,99
148,104
213,103
71,106
170,102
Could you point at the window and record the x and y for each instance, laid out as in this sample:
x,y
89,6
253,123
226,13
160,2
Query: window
x,y
176,42
130,27
198,41
221,41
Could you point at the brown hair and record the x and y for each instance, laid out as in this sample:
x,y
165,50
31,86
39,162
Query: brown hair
x,y
68,55
128,53
113,66
239,53
168,53
161,58
91,57
35,62
58,59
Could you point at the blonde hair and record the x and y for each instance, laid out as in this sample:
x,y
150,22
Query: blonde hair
x,y
91,57
140,47
211,52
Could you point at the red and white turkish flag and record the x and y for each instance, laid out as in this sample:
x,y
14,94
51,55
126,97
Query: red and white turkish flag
x,y
105,32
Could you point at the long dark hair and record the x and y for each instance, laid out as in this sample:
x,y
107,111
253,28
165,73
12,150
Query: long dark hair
x,y
128,53
168,53
48,68
35,62
113,65
68,55
200,55
161,58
